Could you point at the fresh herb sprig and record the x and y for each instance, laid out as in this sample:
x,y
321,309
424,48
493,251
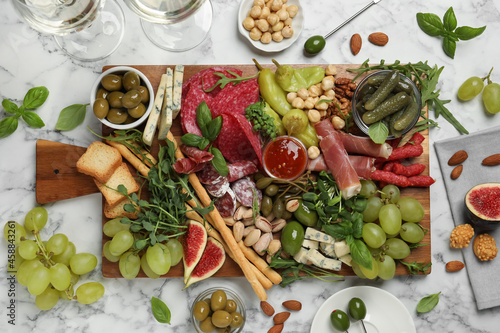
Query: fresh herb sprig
x,y
432,25
33,99
262,122
160,310
224,80
417,267
426,78
71,116
428,303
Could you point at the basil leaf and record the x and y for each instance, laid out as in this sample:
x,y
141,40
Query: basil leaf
x,y
192,140
8,126
71,116
378,132
449,47
213,128
450,20
218,162
32,119
430,24
360,253
10,106
335,230
428,303
466,33
203,115
35,97
357,225
161,312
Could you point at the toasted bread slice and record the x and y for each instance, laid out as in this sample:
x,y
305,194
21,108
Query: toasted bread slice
x,y
117,210
99,161
121,176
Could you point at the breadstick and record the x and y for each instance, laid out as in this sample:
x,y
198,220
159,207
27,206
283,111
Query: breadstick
x,y
129,156
225,232
146,157
260,263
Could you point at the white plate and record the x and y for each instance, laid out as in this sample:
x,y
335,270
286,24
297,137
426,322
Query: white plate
x,y
384,312
297,24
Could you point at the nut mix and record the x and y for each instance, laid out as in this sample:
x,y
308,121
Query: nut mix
x,y
485,247
461,236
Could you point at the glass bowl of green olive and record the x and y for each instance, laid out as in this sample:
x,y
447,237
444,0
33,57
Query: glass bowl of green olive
x,y
122,97
386,98
218,309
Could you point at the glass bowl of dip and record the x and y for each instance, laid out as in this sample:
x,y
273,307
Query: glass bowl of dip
x,y
285,158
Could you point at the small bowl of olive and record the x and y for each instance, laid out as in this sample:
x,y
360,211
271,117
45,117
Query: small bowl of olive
x,y
122,97
218,310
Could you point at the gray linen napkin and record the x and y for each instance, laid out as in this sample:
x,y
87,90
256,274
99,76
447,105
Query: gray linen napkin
x,y
483,276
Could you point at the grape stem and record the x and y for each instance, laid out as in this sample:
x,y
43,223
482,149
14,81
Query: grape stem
x,y
488,76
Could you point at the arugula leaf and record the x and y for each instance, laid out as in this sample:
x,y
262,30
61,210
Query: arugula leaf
x,y
160,310
71,116
224,80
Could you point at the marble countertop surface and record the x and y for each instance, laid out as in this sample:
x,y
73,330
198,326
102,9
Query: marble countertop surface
x,y
29,58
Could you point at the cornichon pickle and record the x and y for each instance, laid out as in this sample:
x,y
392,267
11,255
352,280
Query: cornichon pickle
x,y
408,116
376,80
389,106
395,117
390,81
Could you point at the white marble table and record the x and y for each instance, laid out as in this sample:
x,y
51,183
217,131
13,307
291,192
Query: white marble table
x,y
28,59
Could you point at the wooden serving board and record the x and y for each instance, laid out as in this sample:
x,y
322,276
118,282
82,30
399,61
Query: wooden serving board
x,y
58,179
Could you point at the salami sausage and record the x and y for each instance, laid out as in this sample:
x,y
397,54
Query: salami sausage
x,y
244,189
188,112
233,142
209,175
187,165
234,99
226,205
207,74
241,169
196,154
218,189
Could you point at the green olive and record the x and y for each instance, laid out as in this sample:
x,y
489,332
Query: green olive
x,y
131,99
138,111
231,306
286,215
111,82
357,308
206,325
340,320
101,93
266,205
314,44
263,182
223,329
292,237
117,116
306,216
272,190
201,310
278,208
131,80
100,108
236,320
115,99
221,318
129,120
144,93
218,300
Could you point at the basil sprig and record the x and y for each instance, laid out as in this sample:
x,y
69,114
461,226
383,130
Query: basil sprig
x,y
160,310
432,25
428,303
378,132
71,116
210,129
33,99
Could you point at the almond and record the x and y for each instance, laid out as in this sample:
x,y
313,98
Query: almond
x,y
281,317
292,305
378,38
457,171
457,158
356,43
454,266
276,329
267,308
492,160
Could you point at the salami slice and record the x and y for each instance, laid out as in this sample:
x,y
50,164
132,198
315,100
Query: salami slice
x,y
209,175
196,154
241,169
226,205
196,79
218,189
187,165
253,137
209,79
234,99
188,112
244,189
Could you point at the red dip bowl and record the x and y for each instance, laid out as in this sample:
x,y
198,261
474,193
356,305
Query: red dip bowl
x,y
285,158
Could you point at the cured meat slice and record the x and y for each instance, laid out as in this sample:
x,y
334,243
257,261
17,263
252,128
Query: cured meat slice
x,y
364,146
226,205
209,175
363,165
207,74
241,169
244,189
188,112
337,160
209,79
218,189
196,154
187,165
234,99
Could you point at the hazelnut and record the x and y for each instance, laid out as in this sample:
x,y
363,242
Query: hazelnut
x,y
461,236
485,247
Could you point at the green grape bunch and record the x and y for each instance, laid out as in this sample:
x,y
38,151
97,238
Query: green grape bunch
x,y
50,270
474,85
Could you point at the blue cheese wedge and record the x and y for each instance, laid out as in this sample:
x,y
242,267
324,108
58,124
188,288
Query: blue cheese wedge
x,y
341,248
328,249
166,112
154,116
315,235
310,244
177,92
322,262
346,259
301,256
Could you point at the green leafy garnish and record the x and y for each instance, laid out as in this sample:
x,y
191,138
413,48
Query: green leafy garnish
x,y
224,80
378,132
262,122
71,116
428,303
432,25
417,267
160,310
33,99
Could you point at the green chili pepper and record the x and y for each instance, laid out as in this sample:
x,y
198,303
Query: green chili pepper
x,y
308,136
271,91
292,79
280,129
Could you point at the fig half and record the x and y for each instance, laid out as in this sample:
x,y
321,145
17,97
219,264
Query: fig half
x,y
483,205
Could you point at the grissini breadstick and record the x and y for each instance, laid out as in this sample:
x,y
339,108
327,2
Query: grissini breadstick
x,y
225,232
129,156
260,263
146,156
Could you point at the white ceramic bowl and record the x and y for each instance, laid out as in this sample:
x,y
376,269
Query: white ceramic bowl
x,y
144,81
297,24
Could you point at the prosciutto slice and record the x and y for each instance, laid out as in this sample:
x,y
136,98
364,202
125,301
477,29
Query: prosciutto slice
x,y
337,160
363,165
364,146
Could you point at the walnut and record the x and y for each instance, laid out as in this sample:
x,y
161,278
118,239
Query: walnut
x,y
461,236
485,247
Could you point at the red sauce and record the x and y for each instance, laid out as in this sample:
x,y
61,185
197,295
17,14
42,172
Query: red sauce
x,y
285,158
487,201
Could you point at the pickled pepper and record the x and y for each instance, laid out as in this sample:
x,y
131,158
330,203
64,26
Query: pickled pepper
x,y
292,79
270,90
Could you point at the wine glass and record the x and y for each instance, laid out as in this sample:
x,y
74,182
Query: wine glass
x,y
86,30
174,25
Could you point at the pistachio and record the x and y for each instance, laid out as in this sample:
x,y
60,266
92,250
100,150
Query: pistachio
x,y
263,224
238,229
252,238
278,224
292,205
262,244
248,230
273,247
229,221
243,212
248,222
270,217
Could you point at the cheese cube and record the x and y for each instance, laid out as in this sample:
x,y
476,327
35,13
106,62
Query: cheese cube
x,y
313,234
328,249
346,259
341,248
320,261
301,256
309,244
